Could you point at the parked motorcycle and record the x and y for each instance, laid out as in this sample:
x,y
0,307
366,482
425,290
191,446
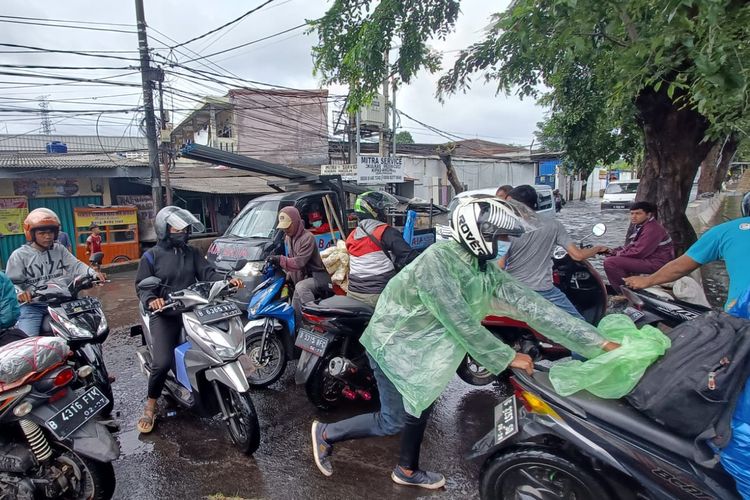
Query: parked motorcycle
x,y
210,374
269,332
648,308
543,445
333,364
81,323
51,445
583,286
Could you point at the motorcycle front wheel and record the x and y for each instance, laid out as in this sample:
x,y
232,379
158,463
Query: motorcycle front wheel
x,y
243,425
540,474
268,365
473,373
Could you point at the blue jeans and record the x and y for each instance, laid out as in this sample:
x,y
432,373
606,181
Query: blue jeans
x,y
388,421
31,317
558,298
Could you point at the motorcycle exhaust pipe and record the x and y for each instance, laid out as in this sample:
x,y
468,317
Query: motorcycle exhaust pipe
x,y
341,368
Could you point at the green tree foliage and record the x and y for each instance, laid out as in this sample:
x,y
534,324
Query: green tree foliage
x,y
404,137
671,75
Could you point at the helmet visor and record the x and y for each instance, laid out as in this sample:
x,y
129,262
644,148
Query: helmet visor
x,y
182,219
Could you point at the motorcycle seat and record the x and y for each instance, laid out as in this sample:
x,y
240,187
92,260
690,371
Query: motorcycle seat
x,y
617,413
22,359
339,305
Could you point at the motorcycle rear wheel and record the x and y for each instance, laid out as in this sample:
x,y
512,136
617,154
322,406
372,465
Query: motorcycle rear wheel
x,y
323,390
473,373
540,474
243,426
97,479
274,362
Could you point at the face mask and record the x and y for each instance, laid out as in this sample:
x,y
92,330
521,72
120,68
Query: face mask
x,y
317,223
178,239
502,249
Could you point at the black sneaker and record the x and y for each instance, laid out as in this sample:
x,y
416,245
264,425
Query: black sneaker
x,y
321,449
421,478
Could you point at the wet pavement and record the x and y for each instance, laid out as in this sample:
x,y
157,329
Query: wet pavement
x,y
190,457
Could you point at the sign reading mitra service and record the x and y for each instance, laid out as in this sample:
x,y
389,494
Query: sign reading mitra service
x,y
379,170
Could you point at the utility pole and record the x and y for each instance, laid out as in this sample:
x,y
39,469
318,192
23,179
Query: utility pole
x,y
383,146
166,143
47,126
393,119
148,75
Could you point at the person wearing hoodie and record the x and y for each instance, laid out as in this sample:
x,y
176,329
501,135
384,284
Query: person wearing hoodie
x,y
302,264
38,262
377,251
177,265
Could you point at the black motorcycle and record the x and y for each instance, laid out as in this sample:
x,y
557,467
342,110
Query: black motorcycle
x,y
80,321
333,364
646,308
51,445
543,445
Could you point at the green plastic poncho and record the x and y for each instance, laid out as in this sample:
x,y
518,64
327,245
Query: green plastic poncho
x,y
612,374
430,315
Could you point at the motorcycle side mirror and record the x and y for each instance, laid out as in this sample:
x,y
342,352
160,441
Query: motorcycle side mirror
x,y
240,264
150,283
97,258
599,229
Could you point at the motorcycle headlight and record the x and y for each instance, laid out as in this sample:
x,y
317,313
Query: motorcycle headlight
x,y
253,268
74,329
103,325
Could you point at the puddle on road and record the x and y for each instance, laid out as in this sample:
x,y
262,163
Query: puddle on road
x,y
131,443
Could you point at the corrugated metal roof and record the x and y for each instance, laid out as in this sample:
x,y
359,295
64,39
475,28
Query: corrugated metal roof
x,y
75,143
224,185
69,161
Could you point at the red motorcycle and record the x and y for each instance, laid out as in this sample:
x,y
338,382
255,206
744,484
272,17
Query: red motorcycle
x,y
583,286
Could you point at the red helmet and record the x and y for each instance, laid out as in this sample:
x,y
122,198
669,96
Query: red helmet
x,y
40,218
314,216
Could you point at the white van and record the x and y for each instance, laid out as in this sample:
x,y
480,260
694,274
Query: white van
x,y
620,194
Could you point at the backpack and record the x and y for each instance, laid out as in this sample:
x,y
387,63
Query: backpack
x,y
694,387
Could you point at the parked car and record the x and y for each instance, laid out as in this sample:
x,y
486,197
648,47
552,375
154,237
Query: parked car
x,y
620,194
545,199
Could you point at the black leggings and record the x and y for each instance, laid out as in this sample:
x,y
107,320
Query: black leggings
x,y
411,439
165,333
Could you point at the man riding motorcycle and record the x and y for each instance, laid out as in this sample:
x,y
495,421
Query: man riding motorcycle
x,y
38,262
178,266
429,317
377,251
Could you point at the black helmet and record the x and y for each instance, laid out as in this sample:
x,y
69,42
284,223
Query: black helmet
x,y
745,208
374,205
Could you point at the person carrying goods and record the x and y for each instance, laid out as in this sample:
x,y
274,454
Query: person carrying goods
x,y
177,265
302,264
38,262
377,251
429,317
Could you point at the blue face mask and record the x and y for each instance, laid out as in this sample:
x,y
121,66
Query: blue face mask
x,y
502,249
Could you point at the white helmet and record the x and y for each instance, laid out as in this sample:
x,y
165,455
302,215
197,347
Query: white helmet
x,y
178,218
478,222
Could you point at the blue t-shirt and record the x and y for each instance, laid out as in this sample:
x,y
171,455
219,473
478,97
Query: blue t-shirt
x,y
729,242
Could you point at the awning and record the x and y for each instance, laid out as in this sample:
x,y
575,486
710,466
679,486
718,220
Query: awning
x,y
223,185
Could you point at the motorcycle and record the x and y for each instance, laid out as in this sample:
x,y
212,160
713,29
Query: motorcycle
x,y
210,374
583,286
269,332
81,323
333,364
51,445
648,308
543,445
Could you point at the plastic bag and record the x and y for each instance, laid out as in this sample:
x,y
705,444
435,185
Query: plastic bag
x,y
23,357
735,457
612,374
336,261
430,315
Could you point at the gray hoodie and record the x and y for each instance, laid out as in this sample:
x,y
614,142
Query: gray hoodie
x,y
28,266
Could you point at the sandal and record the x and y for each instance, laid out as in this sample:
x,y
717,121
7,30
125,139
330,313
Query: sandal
x,y
147,420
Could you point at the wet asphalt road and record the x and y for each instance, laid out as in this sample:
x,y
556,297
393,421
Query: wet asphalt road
x,y
189,457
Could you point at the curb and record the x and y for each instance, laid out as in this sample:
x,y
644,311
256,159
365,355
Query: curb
x,y
701,212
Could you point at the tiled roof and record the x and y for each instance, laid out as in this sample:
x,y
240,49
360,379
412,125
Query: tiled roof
x,y
70,161
75,143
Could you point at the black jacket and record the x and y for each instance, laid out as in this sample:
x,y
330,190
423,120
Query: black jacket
x,y
177,268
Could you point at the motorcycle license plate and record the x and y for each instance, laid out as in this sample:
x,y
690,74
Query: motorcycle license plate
x,y
80,306
77,413
633,313
217,312
506,420
311,342
618,206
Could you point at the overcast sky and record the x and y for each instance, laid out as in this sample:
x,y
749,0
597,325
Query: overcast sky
x,y
283,60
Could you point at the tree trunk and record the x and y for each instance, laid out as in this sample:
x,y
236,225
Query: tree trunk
x,y
673,150
452,175
716,165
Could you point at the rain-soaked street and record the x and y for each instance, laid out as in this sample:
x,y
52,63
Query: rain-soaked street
x,y
189,457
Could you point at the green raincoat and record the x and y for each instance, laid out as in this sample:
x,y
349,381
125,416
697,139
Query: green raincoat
x,y
430,315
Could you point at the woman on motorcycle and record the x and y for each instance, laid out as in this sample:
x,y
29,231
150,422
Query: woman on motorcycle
x,y
178,266
38,262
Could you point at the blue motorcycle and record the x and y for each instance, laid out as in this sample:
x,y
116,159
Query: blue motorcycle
x,y
269,333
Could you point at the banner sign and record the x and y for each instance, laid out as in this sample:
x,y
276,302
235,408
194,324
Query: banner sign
x,y
35,188
379,170
115,216
145,205
13,211
347,171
